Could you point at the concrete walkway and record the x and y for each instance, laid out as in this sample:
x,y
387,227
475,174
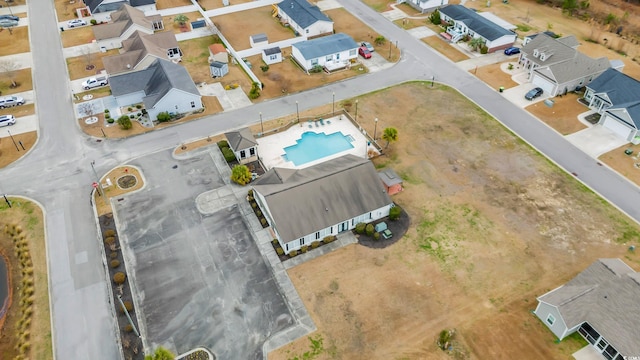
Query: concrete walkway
x,y
194,34
80,50
22,60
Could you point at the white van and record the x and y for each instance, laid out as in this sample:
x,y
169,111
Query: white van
x,y
6,120
9,101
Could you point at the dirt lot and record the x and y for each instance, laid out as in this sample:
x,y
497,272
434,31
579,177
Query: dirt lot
x,y
444,48
563,116
215,4
237,27
78,65
78,36
15,43
627,166
495,77
22,77
493,226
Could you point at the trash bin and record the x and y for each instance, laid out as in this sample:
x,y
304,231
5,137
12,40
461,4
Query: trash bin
x,y
61,28
501,88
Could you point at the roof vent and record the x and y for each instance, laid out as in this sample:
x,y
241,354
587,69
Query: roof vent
x,y
536,52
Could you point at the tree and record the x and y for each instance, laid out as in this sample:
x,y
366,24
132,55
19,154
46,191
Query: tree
x,y
164,117
390,134
569,6
240,174
124,122
160,354
10,69
435,17
181,19
87,55
476,43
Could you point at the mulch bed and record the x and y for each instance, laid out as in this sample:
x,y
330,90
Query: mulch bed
x,y
398,227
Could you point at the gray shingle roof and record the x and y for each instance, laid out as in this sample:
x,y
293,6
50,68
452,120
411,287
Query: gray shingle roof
x,y
558,48
136,47
620,88
303,13
606,296
326,45
272,51
121,20
389,177
480,25
93,4
156,81
241,139
259,37
307,200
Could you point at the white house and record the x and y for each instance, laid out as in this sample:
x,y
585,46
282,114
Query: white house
x,y
616,97
557,67
218,69
124,23
493,30
330,52
272,55
140,50
101,9
163,86
305,19
601,304
243,144
425,5
306,205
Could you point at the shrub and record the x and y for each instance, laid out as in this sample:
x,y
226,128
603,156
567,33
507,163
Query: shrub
x,y
109,233
316,69
304,249
376,236
114,263
128,328
110,121
293,253
360,228
163,117
380,40
106,111
138,106
274,241
264,68
129,108
110,240
328,239
254,205
259,213
254,93
484,49
443,339
94,22
228,154
510,66
369,229
315,244
279,251
113,254
127,305
263,221
394,213
119,278
240,174
223,144
107,116
132,116
435,17
124,122
250,193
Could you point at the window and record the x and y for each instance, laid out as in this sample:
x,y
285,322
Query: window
x,y
338,56
306,31
551,319
252,151
329,57
273,57
193,104
301,241
352,52
242,154
314,62
318,235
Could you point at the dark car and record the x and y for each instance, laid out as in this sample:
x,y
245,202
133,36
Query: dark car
x,y
512,51
533,93
9,17
364,52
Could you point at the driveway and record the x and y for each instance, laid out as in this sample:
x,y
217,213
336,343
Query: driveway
x,y
377,62
198,276
516,95
587,353
596,140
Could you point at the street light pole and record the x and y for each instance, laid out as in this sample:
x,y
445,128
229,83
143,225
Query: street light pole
x,y
14,141
9,6
375,129
261,127
356,110
333,104
297,112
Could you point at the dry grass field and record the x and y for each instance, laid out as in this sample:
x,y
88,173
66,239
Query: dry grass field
x,y
22,77
239,26
563,116
493,226
493,76
167,4
77,36
66,9
78,65
104,207
444,48
17,111
8,152
171,25
15,42
216,4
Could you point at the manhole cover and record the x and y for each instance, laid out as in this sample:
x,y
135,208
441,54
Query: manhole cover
x,y
91,120
127,181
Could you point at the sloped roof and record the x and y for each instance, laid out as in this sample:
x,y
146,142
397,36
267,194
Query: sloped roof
x,y
156,81
241,139
272,51
389,177
326,45
302,12
560,49
217,48
121,20
93,4
631,109
620,88
306,200
137,47
259,37
579,66
479,24
606,296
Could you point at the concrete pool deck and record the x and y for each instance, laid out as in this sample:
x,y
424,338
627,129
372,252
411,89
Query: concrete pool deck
x,y
271,147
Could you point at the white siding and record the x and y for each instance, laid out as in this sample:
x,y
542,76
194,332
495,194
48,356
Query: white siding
x,y
318,28
341,58
558,328
108,44
619,128
277,58
501,42
176,101
132,98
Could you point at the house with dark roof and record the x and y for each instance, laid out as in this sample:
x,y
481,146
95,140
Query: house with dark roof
x,y
616,97
601,304
243,144
140,50
330,52
305,19
526,39
124,23
330,198
162,87
465,21
425,5
102,9
556,66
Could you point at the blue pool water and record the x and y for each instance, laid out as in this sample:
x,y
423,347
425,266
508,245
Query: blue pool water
x,y
313,146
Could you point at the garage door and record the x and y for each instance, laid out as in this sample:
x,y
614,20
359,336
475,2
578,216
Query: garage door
x,y
618,128
543,83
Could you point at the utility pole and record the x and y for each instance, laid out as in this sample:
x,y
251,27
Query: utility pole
x,y
100,189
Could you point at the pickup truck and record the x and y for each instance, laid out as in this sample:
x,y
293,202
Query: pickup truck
x,y
93,82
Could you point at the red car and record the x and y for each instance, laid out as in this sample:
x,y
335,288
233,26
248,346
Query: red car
x,y
364,52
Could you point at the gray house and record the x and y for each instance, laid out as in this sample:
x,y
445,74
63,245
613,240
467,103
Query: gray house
x,y
616,97
243,144
601,303
124,23
140,50
162,87
330,52
101,9
485,26
218,69
330,198
305,19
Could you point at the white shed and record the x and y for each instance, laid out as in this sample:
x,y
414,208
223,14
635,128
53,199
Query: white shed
x,y
258,40
218,69
272,55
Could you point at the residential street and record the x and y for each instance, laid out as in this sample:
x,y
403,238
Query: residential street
x,y
57,173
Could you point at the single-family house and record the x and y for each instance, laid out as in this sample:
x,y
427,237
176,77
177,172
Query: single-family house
x,y
305,19
557,67
306,205
425,5
218,69
616,97
330,52
272,55
526,39
162,87
601,304
217,52
243,144
124,22
257,40
468,22
101,10
140,50
391,181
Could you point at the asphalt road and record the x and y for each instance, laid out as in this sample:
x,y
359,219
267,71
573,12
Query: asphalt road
x,y
57,172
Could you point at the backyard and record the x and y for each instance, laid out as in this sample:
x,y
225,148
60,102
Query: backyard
x,y
239,26
79,66
79,36
485,241
22,77
66,9
14,42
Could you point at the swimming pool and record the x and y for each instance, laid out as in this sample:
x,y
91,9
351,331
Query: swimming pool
x,y
313,146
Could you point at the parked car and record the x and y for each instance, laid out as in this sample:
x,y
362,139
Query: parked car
x,y
9,17
95,82
5,23
512,51
368,46
7,120
76,22
364,52
9,101
533,93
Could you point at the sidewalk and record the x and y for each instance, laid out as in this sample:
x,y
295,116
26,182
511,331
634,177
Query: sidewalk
x,y
22,60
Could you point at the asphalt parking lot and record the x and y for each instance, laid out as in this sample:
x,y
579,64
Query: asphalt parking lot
x,y
199,280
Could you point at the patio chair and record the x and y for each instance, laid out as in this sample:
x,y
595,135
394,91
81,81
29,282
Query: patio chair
x,y
321,121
